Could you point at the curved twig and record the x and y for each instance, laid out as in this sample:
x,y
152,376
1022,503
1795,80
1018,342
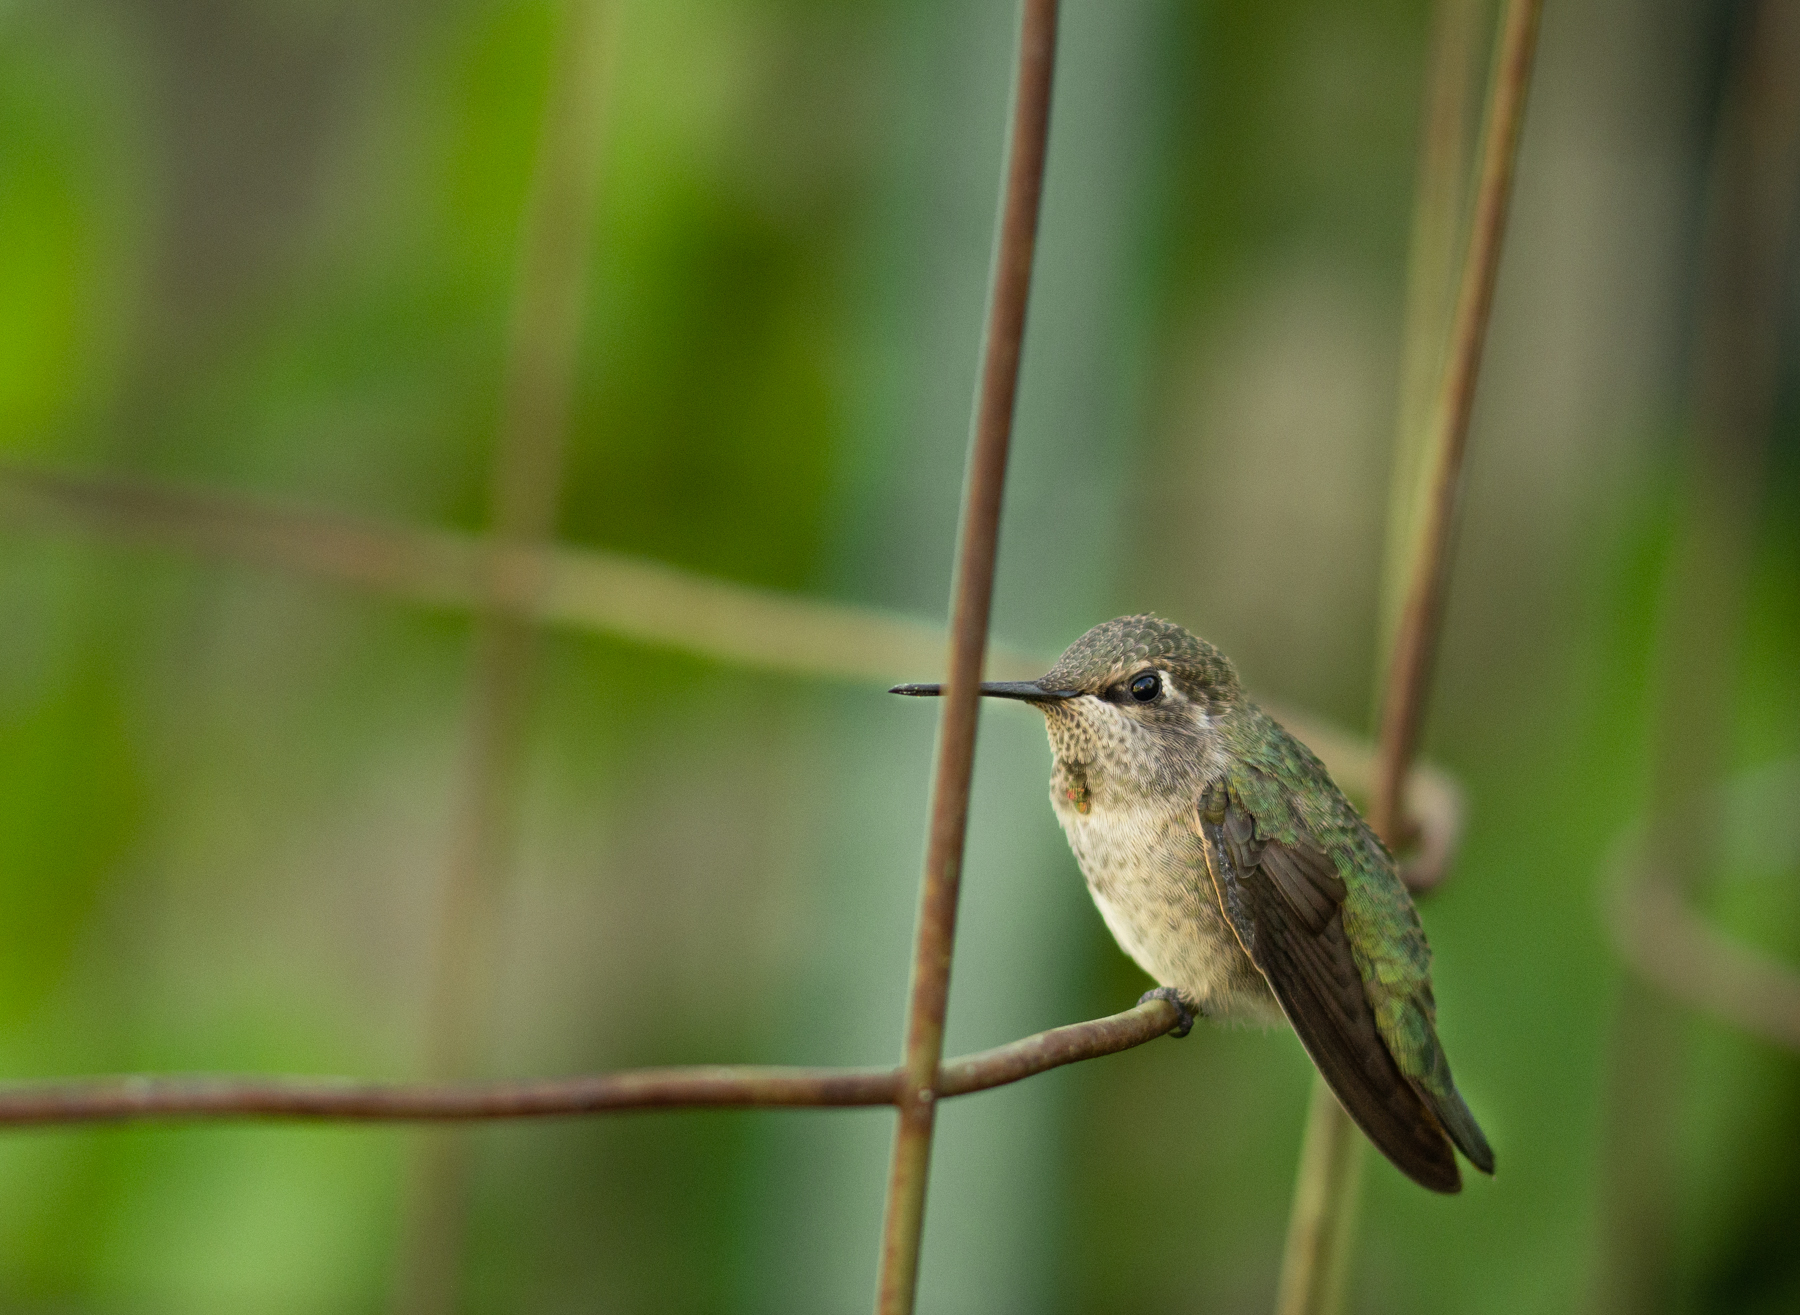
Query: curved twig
x,y
1667,943
211,1098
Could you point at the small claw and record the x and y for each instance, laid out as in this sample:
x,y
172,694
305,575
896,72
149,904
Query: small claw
x,y
1169,993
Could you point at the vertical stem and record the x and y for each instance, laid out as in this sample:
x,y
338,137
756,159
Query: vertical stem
x,y
1753,187
935,937
1403,708
549,306
1315,1265
1446,135
1319,1228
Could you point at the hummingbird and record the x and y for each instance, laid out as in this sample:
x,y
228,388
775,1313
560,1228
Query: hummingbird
x,y
1229,865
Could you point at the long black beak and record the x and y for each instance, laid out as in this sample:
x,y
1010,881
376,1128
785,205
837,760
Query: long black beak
x,y
1028,690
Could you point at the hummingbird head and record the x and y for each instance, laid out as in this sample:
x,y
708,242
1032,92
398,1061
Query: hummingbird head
x,y
1131,705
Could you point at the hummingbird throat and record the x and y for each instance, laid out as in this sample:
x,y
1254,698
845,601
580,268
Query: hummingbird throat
x,y
1075,790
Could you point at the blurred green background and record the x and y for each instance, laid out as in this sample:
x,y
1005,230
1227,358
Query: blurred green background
x,y
270,246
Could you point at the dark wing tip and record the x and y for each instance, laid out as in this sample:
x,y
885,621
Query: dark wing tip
x,y
1411,1139
1460,1123
1439,1174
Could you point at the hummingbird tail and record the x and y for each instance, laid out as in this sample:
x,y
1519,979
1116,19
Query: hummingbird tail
x,y
1454,1114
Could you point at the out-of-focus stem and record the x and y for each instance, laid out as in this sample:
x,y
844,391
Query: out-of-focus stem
x,y
1446,135
1687,959
549,584
1748,236
1320,1228
935,938
610,593
1409,673
1323,1219
550,301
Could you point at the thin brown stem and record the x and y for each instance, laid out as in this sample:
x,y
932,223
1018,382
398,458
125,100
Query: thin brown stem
x,y
934,942
550,303
1320,1227
215,1099
1421,618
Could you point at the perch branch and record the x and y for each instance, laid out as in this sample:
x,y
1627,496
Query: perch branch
x,y
934,940
214,1099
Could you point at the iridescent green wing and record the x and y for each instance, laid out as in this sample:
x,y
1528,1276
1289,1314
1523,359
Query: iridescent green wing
x,y
1284,898
1293,802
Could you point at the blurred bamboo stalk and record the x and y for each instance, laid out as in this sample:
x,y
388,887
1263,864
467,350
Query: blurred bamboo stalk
x,y
1316,1262
935,938
1747,241
549,308
213,1098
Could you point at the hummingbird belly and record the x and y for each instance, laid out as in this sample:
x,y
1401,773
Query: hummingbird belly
x,y
1146,870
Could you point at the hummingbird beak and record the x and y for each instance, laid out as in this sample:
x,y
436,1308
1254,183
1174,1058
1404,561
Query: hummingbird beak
x,y
1028,691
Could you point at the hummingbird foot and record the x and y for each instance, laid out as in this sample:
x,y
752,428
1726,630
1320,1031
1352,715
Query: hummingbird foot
x,y
1170,994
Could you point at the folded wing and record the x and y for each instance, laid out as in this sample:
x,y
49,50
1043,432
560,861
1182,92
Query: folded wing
x,y
1284,899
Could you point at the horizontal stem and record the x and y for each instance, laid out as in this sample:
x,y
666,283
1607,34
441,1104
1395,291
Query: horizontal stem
x,y
191,1098
612,593
584,588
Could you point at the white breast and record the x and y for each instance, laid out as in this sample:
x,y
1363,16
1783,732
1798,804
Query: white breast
x,y
1145,869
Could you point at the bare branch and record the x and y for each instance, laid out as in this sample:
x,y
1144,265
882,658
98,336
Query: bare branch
x,y
215,1099
1459,41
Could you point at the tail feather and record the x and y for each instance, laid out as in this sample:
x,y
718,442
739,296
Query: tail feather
x,y
1412,1036
1454,1114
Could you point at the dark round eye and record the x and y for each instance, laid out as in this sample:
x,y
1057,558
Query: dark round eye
x,y
1146,687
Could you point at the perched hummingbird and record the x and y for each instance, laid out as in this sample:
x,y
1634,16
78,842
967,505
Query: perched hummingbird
x,y
1226,861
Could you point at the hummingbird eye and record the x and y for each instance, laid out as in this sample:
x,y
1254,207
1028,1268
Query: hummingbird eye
x,y
1146,687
